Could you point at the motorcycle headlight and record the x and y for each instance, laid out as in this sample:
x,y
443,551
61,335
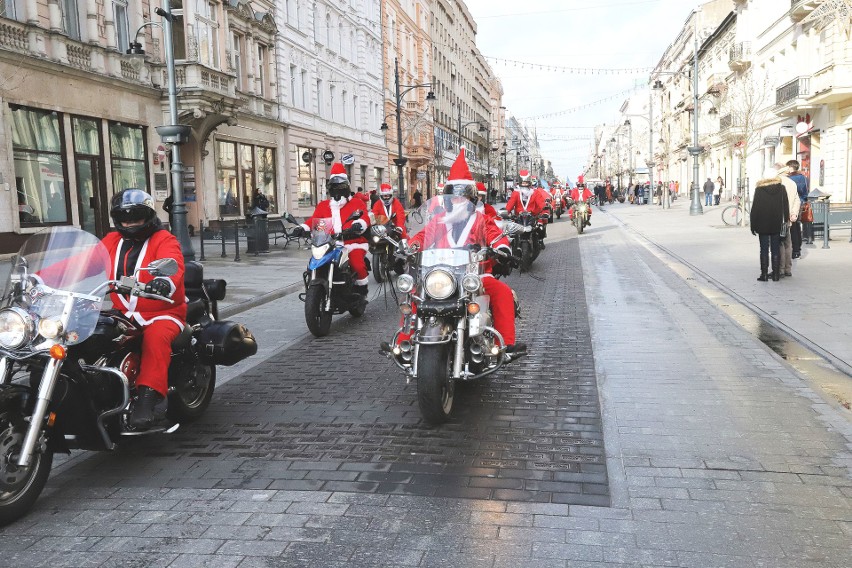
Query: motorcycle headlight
x,y
16,328
440,284
405,283
319,251
49,328
471,282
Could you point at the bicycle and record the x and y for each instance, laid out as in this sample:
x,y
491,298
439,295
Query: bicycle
x,y
733,214
415,215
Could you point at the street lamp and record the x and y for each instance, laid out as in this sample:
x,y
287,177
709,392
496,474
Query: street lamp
x,y
174,133
629,152
400,161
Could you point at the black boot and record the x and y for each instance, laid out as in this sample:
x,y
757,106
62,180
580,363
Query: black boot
x,y
776,269
764,275
142,407
360,290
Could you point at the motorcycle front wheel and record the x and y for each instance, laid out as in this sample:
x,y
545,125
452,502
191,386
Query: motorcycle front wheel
x,y
435,389
526,256
192,392
578,222
318,320
19,486
379,267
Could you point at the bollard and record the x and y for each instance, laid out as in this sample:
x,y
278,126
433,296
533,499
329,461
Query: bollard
x,y
825,224
256,236
201,234
222,229
237,240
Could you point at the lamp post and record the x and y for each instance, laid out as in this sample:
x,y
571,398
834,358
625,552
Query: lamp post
x,y
695,150
629,126
174,133
400,160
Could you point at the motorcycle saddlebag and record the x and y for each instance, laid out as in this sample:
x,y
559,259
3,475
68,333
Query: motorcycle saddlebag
x,y
225,343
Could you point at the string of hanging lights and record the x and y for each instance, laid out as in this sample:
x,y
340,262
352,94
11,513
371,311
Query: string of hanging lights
x,y
574,70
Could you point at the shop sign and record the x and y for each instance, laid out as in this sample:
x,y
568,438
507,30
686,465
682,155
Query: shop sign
x,y
328,156
307,157
347,159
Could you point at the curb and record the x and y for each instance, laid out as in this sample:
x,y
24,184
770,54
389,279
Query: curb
x,y
234,309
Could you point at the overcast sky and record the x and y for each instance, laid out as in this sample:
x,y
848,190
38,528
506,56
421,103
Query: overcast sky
x,y
599,34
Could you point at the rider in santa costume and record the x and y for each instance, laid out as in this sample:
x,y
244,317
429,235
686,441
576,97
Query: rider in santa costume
x,y
340,208
581,193
460,204
389,209
529,198
481,205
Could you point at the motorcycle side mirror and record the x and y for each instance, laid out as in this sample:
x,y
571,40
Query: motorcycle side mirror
x,y
379,230
503,213
162,267
511,228
355,215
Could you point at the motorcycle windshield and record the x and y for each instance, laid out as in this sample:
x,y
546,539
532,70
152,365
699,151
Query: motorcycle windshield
x,y
449,233
59,275
322,231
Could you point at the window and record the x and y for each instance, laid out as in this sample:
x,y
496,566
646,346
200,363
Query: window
x,y
319,97
304,88
127,151
39,167
240,170
70,18
122,31
343,99
178,30
307,179
332,100
9,9
237,59
261,70
208,33
293,85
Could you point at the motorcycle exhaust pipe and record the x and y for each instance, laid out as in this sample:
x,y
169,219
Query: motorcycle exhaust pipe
x,y
476,353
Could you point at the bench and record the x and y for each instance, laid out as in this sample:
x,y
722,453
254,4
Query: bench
x,y
279,230
839,217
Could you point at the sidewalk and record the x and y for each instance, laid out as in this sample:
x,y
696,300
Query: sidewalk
x,y
813,305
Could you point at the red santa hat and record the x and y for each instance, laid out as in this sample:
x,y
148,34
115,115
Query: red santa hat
x,y
524,174
338,174
580,179
385,189
480,188
459,171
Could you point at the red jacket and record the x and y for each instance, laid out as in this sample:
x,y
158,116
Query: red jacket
x,y
535,203
480,229
339,217
382,215
161,244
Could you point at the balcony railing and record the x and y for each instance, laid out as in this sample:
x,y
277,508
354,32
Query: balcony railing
x,y
740,53
726,122
799,87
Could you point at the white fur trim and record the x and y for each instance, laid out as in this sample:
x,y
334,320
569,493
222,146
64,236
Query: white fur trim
x,y
461,182
362,222
353,246
362,282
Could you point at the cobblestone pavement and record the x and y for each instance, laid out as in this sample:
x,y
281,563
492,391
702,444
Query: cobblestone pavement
x,y
716,452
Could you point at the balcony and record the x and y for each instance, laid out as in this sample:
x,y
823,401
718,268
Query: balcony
x,y
799,9
739,57
726,122
791,97
831,84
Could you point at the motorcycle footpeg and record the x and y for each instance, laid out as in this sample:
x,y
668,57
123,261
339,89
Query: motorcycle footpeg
x,y
163,428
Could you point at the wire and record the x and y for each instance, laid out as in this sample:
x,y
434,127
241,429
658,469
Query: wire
x,y
573,70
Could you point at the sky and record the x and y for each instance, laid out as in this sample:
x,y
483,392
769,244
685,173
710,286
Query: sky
x,y
579,34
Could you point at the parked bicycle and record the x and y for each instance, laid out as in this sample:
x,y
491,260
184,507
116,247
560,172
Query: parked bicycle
x,y
733,214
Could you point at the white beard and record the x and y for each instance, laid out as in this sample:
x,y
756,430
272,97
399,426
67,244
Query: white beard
x,y
337,204
526,192
459,214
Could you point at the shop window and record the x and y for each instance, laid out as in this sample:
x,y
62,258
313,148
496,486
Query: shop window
x,y
127,154
307,178
40,181
240,169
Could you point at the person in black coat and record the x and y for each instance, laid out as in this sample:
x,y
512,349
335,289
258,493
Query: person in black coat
x,y
769,215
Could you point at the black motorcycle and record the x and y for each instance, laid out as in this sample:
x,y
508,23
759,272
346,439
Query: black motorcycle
x,y
527,244
67,368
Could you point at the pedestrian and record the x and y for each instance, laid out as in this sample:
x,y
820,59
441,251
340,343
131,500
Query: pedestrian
x,y
802,187
417,198
769,215
259,201
793,215
708,192
717,189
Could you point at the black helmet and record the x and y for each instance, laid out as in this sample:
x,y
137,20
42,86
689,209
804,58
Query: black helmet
x,y
338,189
134,205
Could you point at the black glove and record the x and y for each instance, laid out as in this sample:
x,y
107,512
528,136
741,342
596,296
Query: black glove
x,y
351,233
298,232
160,287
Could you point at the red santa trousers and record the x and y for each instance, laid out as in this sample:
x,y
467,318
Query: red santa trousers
x,y
156,355
359,266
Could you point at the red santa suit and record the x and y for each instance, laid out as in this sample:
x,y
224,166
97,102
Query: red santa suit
x,y
576,195
339,212
383,215
479,229
162,321
534,203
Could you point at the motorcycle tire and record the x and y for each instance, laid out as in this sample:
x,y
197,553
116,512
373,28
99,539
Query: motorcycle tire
x,y
318,320
435,389
559,215
379,267
526,256
19,487
580,224
358,310
192,392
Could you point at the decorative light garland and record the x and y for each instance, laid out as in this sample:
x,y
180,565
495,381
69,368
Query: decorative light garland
x,y
575,70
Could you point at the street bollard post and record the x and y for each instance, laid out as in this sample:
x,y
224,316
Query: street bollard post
x,y
825,211
237,240
201,235
222,230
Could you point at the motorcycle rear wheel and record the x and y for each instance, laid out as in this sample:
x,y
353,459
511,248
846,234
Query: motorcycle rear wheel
x,y
526,256
19,487
435,389
192,393
318,320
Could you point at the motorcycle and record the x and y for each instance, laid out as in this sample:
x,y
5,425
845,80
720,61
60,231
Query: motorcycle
x,y
382,251
557,206
67,367
329,280
580,215
447,334
527,245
